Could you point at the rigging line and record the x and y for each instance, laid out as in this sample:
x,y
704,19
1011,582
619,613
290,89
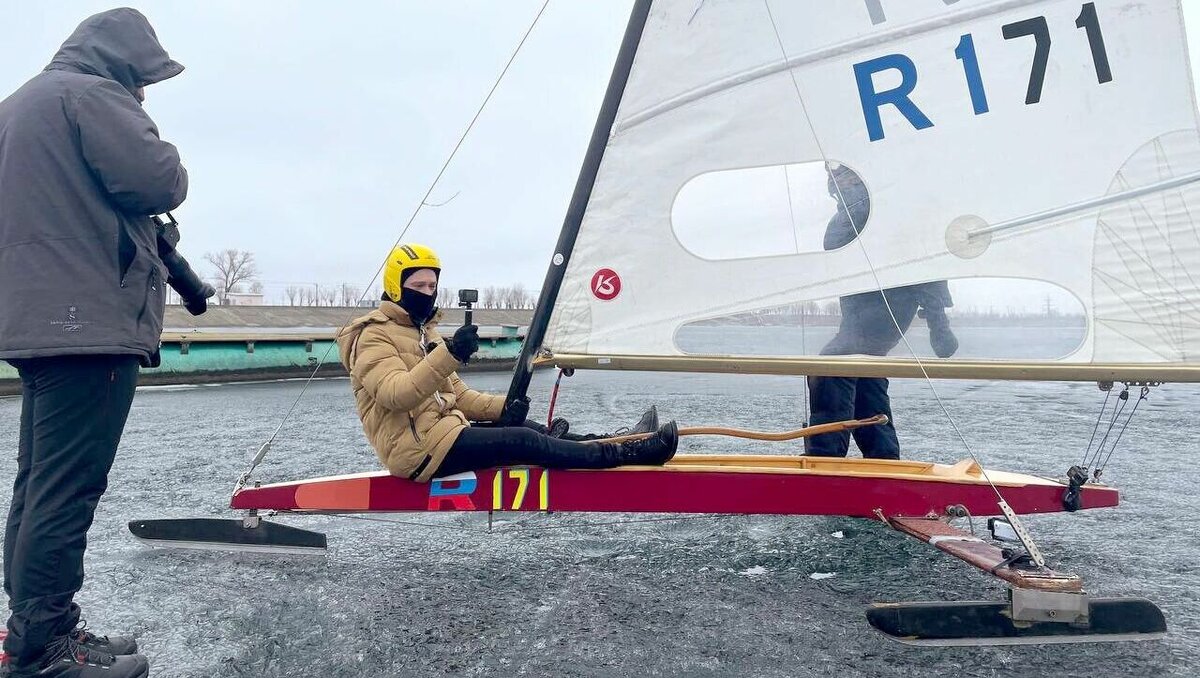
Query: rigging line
x,y
518,528
1145,392
871,265
391,521
420,205
606,523
1117,410
787,184
1104,406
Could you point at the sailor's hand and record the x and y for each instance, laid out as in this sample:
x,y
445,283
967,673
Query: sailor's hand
x,y
515,412
941,338
464,343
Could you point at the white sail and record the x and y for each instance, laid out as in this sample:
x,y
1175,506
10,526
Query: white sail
x,y
1043,157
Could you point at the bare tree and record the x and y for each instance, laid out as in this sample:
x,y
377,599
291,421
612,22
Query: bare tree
x,y
520,296
349,294
233,268
489,297
328,295
445,297
291,293
306,296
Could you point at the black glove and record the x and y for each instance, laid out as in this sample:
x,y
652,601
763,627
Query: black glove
x,y
941,339
515,412
464,343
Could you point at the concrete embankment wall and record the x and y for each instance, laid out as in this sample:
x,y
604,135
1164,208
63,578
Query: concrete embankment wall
x,y
245,343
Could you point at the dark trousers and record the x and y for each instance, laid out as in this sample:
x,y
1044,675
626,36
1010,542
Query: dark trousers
x,y
484,446
73,411
869,326
841,398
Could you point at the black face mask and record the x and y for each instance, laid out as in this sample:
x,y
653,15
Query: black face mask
x,y
418,304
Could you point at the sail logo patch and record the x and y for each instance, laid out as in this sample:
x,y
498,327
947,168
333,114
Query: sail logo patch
x,y
606,284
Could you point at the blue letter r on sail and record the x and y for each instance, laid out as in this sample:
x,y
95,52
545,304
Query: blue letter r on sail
x,y
898,97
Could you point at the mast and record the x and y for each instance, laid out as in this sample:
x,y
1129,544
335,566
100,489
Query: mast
x,y
579,201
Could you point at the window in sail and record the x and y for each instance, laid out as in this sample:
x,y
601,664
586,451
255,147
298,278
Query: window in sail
x,y
769,211
990,319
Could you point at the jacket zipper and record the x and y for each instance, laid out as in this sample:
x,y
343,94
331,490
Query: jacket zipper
x,y
437,395
150,281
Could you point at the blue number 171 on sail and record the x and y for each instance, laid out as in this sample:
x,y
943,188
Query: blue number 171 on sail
x,y
900,96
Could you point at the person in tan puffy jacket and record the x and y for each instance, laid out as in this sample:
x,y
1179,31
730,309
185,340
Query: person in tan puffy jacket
x,y
425,422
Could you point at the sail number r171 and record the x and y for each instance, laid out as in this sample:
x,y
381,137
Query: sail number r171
x,y
503,501
901,96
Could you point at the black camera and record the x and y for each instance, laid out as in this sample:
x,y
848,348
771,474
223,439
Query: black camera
x,y
180,276
466,299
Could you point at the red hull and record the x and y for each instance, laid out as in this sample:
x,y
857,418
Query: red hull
x,y
853,488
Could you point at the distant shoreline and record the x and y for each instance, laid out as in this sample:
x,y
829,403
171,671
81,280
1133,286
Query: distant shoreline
x,y
833,320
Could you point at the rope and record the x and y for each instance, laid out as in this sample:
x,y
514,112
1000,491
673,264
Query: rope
x,y
554,399
262,452
519,528
780,436
1099,417
1117,410
1100,469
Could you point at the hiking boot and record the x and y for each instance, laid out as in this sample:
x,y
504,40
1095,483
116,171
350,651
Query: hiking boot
x,y
647,424
654,450
66,658
117,645
558,428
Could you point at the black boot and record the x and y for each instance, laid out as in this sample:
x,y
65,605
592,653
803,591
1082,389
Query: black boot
x,y
66,658
655,450
558,428
105,644
648,423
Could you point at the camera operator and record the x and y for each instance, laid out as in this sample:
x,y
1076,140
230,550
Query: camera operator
x,y
82,168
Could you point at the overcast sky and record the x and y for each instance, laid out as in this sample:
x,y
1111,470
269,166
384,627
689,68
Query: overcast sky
x,y
311,129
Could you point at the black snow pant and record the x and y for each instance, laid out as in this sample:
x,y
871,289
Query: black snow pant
x,y
841,398
482,446
867,327
73,411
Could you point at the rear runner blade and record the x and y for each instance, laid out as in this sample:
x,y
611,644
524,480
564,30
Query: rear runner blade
x,y
216,534
990,623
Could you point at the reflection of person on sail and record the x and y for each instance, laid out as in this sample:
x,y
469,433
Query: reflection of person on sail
x,y
872,323
417,413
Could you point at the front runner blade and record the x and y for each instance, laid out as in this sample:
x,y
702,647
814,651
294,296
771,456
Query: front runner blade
x,y
216,534
991,623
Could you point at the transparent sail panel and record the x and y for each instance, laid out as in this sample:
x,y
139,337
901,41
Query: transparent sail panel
x,y
754,212
990,319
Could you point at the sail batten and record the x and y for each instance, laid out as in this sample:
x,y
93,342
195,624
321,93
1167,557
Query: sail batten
x,y
1095,203
814,56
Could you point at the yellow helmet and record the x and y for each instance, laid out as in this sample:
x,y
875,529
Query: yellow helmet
x,y
405,258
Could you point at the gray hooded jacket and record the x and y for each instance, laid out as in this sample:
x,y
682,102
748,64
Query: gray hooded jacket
x,y
81,169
